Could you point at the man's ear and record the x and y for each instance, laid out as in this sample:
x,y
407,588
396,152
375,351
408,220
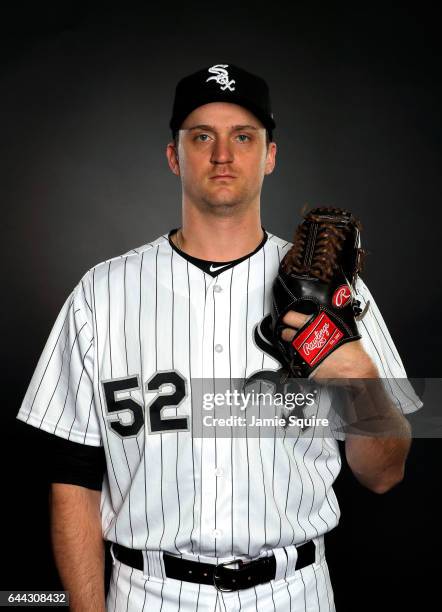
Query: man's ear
x,y
172,158
270,158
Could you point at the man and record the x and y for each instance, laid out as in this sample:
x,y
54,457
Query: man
x,y
117,379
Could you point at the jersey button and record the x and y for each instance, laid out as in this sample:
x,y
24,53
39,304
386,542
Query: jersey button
x,y
217,533
217,288
219,471
218,348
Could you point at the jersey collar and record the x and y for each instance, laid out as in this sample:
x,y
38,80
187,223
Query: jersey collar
x,y
213,268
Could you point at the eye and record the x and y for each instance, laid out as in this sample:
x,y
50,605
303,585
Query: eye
x,y
243,137
202,137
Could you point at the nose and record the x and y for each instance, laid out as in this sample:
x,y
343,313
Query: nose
x,y
221,152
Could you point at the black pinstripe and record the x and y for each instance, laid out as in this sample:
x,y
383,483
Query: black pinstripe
x,y
246,436
101,401
380,327
144,403
109,320
230,386
78,387
84,296
69,375
47,365
130,588
214,379
88,418
116,587
192,408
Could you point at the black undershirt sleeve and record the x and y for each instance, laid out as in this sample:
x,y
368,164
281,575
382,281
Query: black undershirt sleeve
x,y
62,460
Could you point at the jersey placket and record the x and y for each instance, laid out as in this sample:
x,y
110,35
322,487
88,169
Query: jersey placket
x,y
216,448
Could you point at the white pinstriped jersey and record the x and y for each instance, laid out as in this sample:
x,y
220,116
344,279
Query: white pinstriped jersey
x,y
151,318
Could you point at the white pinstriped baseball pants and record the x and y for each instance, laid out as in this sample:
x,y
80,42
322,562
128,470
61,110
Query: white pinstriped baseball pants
x,y
306,590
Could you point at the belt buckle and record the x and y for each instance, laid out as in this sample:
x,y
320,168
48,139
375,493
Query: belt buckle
x,y
217,577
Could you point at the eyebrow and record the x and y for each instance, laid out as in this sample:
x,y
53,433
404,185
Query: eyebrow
x,y
213,129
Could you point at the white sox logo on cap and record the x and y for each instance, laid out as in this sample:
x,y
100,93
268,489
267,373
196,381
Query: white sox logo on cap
x,y
221,76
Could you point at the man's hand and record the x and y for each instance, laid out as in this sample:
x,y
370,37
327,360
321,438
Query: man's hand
x,y
377,461
348,361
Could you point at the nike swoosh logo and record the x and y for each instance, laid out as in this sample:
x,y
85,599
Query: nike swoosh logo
x,y
215,268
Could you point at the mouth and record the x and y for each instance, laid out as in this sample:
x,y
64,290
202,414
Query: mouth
x,y
222,177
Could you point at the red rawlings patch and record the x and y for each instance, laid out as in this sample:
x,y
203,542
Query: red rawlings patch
x,y
317,339
341,296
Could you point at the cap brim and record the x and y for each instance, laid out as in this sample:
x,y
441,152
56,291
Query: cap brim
x,y
266,120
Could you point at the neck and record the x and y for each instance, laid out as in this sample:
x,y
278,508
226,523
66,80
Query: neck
x,y
220,238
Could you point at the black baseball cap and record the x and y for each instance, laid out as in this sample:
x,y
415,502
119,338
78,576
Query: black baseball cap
x,y
222,83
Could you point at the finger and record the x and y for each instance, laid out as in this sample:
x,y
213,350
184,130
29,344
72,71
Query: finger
x,y
288,334
295,319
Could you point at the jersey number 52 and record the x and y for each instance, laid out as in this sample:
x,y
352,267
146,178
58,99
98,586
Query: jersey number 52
x,y
126,415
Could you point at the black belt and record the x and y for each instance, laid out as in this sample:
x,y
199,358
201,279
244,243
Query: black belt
x,y
248,574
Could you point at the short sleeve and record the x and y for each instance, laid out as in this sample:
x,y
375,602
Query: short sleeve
x,y
379,344
60,396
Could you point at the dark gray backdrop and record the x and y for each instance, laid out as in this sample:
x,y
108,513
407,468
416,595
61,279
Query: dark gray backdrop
x,y
86,98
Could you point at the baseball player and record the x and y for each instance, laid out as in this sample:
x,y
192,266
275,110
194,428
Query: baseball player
x,y
196,523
